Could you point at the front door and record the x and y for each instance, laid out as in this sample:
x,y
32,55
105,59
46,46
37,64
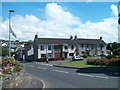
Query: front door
x,y
66,53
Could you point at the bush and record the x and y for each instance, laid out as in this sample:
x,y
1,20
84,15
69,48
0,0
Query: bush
x,y
93,61
112,62
10,65
104,61
84,56
110,56
18,66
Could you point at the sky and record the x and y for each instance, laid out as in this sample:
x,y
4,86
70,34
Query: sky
x,y
60,20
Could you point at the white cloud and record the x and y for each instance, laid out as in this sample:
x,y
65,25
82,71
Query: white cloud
x,y
60,23
56,14
114,10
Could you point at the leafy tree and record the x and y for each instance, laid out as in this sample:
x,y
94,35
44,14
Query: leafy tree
x,y
114,47
109,46
5,51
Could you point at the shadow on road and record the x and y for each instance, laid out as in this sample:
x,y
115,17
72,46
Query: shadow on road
x,y
111,71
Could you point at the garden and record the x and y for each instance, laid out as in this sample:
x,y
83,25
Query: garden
x,y
110,60
11,72
10,65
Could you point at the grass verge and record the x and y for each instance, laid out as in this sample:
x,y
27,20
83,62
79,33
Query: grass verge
x,y
78,63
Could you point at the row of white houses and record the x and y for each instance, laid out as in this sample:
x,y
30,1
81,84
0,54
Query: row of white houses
x,y
58,48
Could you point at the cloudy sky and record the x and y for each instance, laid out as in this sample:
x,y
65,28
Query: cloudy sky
x,y
61,20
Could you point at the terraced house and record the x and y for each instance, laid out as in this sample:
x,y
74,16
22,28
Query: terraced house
x,y
62,48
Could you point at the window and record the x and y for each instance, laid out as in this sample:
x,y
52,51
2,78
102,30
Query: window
x,y
82,45
72,47
87,45
71,54
42,47
49,55
66,47
83,52
43,55
49,48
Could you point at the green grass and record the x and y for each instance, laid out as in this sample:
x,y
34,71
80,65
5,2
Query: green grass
x,y
78,63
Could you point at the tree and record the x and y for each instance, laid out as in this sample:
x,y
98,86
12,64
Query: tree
x,y
5,51
116,51
109,46
114,47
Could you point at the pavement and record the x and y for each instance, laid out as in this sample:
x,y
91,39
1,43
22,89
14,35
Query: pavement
x,y
30,81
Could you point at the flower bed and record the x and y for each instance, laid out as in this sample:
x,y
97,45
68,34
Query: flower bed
x,y
12,72
10,65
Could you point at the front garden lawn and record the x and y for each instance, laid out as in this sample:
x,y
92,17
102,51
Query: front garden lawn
x,y
78,63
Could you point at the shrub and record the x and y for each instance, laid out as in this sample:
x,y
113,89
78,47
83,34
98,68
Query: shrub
x,y
110,56
10,65
18,66
84,56
104,61
93,61
114,62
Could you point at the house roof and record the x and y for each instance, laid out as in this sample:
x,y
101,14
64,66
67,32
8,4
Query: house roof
x,y
91,41
58,41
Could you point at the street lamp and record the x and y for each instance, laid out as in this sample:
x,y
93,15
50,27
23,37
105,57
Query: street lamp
x,y
10,11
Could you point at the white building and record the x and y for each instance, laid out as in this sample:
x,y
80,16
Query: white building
x,y
58,48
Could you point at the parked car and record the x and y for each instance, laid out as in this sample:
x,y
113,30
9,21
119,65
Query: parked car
x,y
77,58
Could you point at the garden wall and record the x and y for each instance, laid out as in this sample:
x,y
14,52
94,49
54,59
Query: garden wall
x,y
12,80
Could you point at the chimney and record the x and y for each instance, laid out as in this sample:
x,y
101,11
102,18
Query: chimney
x,y
71,37
36,36
75,37
100,38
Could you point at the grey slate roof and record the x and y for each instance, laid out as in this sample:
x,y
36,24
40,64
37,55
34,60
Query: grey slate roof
x,y
91,41
60,41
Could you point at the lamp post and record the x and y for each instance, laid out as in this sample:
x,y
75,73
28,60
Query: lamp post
x,y
10,11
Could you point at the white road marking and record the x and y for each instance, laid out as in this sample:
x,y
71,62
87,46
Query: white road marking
x,y
85,75
41,68
46,64
60,71
82,74
31,66
102,77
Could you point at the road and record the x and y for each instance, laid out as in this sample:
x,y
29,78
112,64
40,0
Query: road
x,y
57,77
